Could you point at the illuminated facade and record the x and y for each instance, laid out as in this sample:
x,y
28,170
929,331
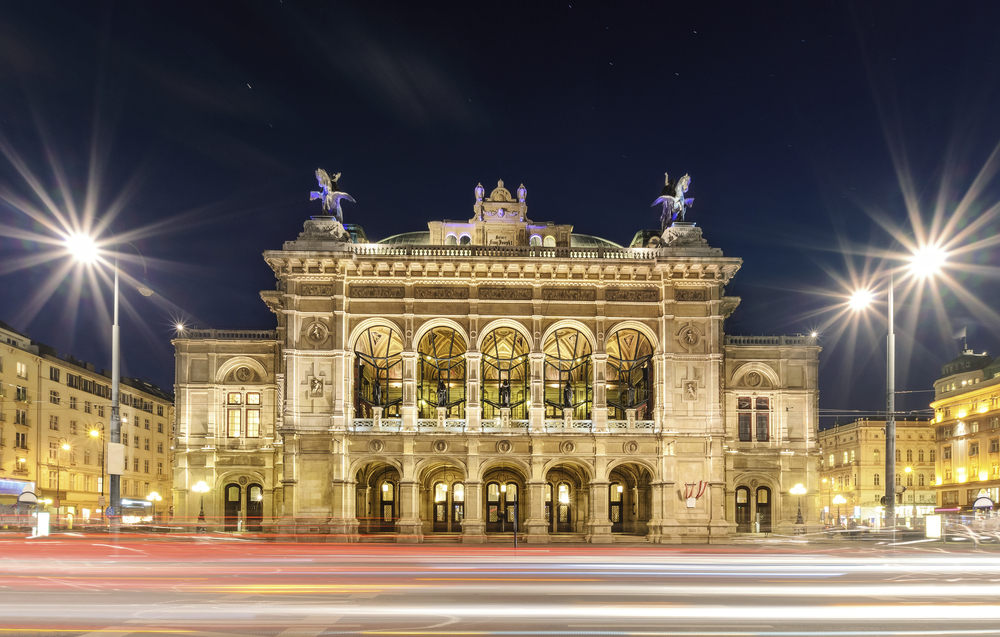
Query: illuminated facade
x,y
48,403
493,372
967,418
852,465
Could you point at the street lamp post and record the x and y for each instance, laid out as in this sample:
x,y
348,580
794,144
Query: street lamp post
x,y
154,497
62,447
800,491
201,488
838,500
94,433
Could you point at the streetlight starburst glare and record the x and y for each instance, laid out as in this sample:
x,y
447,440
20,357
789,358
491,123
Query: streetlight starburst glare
x,y
927,261
82,247
861,299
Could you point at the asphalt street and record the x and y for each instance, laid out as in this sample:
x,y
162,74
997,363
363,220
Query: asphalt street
x,y
224,586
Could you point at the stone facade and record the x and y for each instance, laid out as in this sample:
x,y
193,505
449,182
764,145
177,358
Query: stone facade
x,y
496,373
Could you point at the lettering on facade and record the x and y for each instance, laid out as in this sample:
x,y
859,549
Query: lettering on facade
x,y
568,294
505,294
377,291
314,289
632,296
689,295
441,293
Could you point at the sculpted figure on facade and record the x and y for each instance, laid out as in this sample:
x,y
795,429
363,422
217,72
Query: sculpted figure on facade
x,y
330,194
673,201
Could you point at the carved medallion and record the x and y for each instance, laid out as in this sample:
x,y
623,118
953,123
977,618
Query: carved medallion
x,y
315,386
440,446
316,332
376,446
567,447
504,446
243,480
753,379
631,447
244,374
754,483
690,390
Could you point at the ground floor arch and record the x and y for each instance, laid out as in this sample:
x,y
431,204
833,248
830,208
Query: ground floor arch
x,y
377,498
630,498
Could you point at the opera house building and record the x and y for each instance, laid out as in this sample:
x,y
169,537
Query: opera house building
x,y
497,375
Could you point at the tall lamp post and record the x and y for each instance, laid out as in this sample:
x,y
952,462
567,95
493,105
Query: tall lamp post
x,y
201,488
99,433
154,497
64,446
924,263
838,500
800,491
85,250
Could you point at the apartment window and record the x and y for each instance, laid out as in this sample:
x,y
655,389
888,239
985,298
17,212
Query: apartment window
x,y
21,394
159,447
135,464
159,427
253,423
831,460
974,448
53,450
845,457
72,402
994,445
995,470
145,465
909,455
53,479
898,479
994,422
22,371
877,456
136,421
159,468
72,427
20,440
852,455
234,423
146,444
947,474
946,453
899,455
53,397
135,441
920,479
974,427
146,424
878,480
920,455
86,406
100,411
159,411
909,479
933,453
54,422
86,456
20,417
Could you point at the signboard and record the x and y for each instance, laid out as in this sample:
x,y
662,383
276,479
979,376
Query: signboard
x,y
110,512
116,458
932,524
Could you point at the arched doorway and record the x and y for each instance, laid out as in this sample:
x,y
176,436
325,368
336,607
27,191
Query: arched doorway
x,y
378,372
503,501
377,498
446,490
630,374
764,509
441,373
566,493
505,376
744,522
568,374
255,507
234,504
629,499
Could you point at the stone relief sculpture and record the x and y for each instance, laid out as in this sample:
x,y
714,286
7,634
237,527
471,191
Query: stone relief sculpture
x,y
505,393
568,395
330,194
674,204
442,394
316,386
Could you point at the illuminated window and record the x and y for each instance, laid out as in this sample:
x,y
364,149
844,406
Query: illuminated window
x,y
909,455
253,423
234,398
909,479
845,457
920,479
994,445
877,456
946,454
831,459
234,428
932,454
878,480
253,398
920,455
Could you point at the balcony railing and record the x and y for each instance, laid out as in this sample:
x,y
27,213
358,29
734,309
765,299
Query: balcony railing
x,y
797,339
229,335
494,252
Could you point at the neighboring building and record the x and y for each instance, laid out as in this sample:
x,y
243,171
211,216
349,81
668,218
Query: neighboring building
x,y
454,381
852,465
967,415
47,403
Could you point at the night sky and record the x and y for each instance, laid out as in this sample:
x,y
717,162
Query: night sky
x,y
821,137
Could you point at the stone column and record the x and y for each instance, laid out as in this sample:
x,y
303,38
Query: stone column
x,y
408,411
409,526
598,521
473,413
473,526
537,415
536,530
600,409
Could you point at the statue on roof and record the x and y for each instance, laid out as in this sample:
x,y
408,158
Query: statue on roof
x,y
330,194
674,205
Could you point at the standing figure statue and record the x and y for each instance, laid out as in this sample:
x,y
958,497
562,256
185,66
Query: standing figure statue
x,y
676,204
442,394
568,395
377,394
505,393
631,396
330,194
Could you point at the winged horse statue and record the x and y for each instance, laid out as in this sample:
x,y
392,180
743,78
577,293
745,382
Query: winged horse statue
x,y
330,194
674,205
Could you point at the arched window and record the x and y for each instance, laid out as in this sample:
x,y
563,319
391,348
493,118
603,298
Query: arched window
x,y
441,373
451,240
378,372
932,452
535,240
878,480
505,374
920,479
920,455
845,457
549,241
899,457
898,479
465,240
909,479
909,455
568,374
629,374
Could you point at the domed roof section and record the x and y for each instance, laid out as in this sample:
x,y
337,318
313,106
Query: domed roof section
x,y
992,370
967,362
590,241
421,237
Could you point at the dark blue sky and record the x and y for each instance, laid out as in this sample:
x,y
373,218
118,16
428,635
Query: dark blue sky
x,y
796,121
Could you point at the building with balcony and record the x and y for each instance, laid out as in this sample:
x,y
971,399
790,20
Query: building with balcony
x,y
493,374
967,418
54,419
852,465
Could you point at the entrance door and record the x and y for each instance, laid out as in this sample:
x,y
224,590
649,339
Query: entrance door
x,y
764,509
501,507
441,507
457,506
255,507
743,522
387,507
232,513
615,508
564,521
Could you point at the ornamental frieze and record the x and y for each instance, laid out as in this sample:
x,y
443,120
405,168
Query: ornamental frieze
x,y
632,296
689,295
377,291
568,294
441,293
314,289
505,294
